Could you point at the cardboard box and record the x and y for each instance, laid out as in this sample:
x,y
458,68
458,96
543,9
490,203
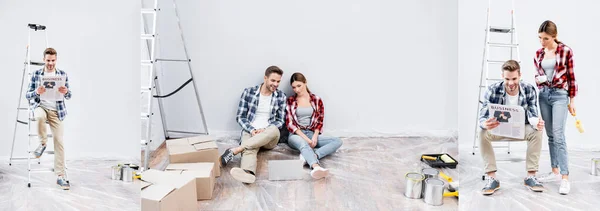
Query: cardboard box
x,y
204,174
165,191
195,149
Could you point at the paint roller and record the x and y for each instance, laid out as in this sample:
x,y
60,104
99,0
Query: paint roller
x,y
452,186
577,122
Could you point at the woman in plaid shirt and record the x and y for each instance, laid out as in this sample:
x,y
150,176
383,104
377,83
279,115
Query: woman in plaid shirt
x,y
304,120
556,81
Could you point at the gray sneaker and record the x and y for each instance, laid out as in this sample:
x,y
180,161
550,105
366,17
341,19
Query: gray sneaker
x,y
491,186
63,183
39,151
533,184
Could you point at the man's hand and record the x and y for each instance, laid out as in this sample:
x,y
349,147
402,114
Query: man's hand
x,y
63,90
40,90
491,123
257,131
313,142
540,124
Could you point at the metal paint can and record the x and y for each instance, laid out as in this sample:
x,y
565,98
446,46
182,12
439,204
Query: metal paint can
x,y
127,174
429,173
115,173
434,192
414,185
595,167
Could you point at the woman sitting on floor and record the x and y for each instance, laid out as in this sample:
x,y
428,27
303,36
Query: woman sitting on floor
x,y
304,120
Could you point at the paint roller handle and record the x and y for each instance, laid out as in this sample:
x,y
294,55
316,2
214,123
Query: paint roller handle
x,y
428,157
446,177
448,194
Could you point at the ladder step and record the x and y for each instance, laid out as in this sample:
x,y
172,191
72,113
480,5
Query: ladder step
x,y
505,45
147,36
36,27
174,60
22,108
149,10
42,170
35,135
36,63
501,29
147,62
145,115
144,142
146,89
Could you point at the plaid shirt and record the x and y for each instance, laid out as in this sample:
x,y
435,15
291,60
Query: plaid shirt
x,y
564,77
496,94
316,121
34,98
249,103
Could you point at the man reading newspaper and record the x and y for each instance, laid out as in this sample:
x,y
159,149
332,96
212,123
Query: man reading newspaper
x,y
512,92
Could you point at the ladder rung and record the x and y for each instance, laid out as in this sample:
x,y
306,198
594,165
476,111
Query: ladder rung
x,y
145,115
146,89
148,10
174,60
21,158
501,29
506,45
143,142
147,62
42,170
36,63
22,122
147,36
35,135
22,108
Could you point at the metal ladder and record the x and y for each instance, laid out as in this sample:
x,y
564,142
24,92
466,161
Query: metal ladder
x,y
150,37
485,78
30,117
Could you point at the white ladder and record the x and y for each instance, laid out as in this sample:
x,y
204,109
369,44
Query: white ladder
x,y
485,78
151,36
30,117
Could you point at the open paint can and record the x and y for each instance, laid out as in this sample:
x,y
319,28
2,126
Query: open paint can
x,y
414,185
116,172
434,192
429,173
127,174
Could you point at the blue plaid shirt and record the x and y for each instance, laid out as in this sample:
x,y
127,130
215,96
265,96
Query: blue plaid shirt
x,y
496,94
34,98
249,103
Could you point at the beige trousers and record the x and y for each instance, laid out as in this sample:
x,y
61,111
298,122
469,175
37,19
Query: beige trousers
x,y
534,146
42,116
268,139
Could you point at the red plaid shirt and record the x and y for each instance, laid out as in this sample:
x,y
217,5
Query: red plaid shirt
x,y
564,77
316,121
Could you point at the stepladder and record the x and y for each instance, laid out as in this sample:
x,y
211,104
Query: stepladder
x,y
500,45
151,92
24,109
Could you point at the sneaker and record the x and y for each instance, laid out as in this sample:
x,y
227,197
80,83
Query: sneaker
x,y
549,177
319,172
63,183
304,163
242,175
491,186
565,187
226,157
533,184
39,151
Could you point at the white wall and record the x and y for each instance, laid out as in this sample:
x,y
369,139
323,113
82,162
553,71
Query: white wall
x,y
97,44
382,67
577,27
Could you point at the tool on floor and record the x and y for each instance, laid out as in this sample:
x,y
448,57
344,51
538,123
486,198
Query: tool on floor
x,y
439,160
485,78
434,192
148,67
413,185
27,74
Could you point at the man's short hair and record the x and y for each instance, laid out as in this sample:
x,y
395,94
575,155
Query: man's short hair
x,y
273,69
511,66
49,51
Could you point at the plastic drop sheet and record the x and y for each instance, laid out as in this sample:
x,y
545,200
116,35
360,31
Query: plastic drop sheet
x,y
365,174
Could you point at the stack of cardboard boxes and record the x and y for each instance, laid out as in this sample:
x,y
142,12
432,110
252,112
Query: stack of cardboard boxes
x,y
190,176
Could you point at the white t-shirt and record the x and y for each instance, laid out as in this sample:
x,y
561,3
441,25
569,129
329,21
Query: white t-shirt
x,y
512,100
263,112
50,105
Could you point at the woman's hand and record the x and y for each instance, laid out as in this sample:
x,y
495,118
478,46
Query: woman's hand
x,y
572,107
314,140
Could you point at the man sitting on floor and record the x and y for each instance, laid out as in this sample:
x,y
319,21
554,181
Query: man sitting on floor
x,y
261,113
512,91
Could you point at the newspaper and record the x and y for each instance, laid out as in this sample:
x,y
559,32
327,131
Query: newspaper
x,y
52,83
511,118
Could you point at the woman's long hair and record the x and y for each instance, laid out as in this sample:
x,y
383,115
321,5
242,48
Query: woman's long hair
x,y
299,77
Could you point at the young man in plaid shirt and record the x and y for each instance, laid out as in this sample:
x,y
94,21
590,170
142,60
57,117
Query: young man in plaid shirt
x,y
53,112
261,113
512,91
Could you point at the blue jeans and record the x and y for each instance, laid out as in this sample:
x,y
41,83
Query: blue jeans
x,y
325,146
553,107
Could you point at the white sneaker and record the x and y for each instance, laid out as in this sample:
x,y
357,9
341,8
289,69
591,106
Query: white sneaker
x,y
319,172
303,160
565,187
549,177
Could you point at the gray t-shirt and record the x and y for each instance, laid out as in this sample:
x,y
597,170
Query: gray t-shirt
x,y
548,65
304,115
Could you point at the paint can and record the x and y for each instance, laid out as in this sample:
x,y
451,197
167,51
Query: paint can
x,y
414,185
434,192
127,174
595,167
428,173
116,172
